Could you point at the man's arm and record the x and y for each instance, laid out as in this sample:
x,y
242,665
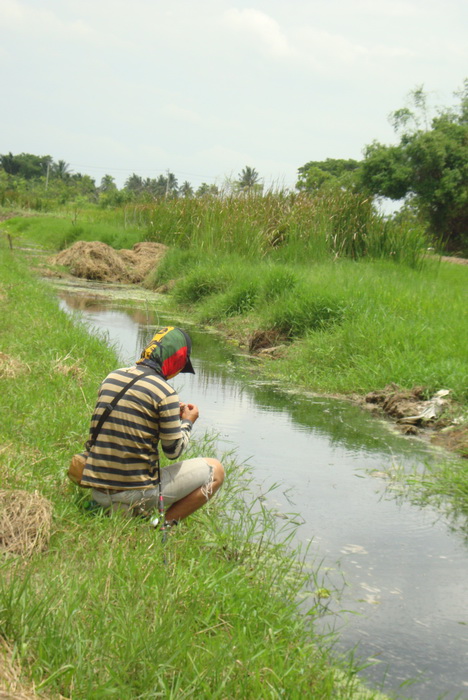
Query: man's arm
x,y
175,425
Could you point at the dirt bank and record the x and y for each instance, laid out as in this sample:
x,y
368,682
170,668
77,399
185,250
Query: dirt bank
x,y
437,417
94,260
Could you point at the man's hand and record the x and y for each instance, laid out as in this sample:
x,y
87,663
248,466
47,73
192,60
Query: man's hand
x,y
189,411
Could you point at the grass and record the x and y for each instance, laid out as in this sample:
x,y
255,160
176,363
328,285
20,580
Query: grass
x,y
288,228
356,326
57,232
444,486
107,611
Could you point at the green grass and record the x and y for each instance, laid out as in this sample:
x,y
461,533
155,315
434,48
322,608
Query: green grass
x,y
59,232
356,326
288,228
107,611
444,486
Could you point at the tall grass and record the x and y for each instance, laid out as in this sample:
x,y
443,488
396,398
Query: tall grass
x,y
288,227
285,227
108,610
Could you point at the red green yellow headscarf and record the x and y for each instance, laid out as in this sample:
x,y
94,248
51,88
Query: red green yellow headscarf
x,y
168,352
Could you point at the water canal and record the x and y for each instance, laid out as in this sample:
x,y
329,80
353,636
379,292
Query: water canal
x,y
400,571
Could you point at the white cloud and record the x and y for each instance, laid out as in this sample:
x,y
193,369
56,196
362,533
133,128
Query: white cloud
x,y
326,49
261,27
17,16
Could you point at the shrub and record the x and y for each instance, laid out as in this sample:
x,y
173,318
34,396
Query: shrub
x,y
295,314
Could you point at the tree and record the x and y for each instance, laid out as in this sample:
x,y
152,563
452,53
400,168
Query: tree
x,y
25,165
61,170
10,164
332,172
134,183
248,178
429,164
186,190
206,190
107,184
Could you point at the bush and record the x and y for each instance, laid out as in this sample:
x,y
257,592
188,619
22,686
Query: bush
x,y
295,314
201,282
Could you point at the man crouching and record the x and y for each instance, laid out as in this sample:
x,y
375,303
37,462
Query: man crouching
x,y
136,410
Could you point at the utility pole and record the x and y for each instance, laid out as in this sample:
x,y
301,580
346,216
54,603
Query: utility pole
x,y
167,183
47,175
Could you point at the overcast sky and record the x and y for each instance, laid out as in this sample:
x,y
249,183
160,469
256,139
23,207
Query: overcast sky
x,y
206,87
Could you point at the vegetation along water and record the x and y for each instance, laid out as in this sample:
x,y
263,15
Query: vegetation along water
x,y
327,294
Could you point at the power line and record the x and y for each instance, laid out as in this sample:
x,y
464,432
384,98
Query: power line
x,y
134,170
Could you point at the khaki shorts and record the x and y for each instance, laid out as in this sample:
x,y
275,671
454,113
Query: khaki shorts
x,y
177,480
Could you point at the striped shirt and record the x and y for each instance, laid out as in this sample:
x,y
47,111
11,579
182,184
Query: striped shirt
x,y
125,454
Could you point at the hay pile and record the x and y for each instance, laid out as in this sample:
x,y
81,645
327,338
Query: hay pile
x,y
25,522
142,259
98,261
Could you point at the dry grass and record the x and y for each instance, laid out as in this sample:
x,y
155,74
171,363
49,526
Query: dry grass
x,y
69,367
11,687
98,261
10,367
25,522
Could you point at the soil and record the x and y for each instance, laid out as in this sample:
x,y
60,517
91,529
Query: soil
x,y
98,261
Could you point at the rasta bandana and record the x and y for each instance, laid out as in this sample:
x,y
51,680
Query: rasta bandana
x,y
168,352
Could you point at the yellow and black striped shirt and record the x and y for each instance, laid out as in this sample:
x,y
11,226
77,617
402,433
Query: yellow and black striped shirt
x,y
125,454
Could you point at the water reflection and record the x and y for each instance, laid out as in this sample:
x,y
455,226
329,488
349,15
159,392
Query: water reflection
x,y
406,574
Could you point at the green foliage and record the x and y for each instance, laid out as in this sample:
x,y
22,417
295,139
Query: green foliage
x,y
304,310
239,299
200,282
283,227
429,164
25,165
330,173
276,281
396,325
249,180
57,233
176,263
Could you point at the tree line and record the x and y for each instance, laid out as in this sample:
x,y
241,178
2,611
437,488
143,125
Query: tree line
x,y
427,169
28,172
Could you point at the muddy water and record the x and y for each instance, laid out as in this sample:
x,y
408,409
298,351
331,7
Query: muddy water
x,y
401,572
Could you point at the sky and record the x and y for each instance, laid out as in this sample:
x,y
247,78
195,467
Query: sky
x,y
204,88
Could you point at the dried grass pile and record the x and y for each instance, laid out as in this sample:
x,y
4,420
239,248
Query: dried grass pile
x,y
98,261
94,261
142,258
25,522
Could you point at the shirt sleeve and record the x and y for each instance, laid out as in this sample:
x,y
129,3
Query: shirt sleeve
x,y
174,434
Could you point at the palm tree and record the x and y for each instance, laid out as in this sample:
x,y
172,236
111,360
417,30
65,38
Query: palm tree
x,y
186,190
134,183
62,170
107,184
248,178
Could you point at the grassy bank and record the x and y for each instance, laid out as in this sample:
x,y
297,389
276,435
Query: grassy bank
x,y
345,327
352,298
98,613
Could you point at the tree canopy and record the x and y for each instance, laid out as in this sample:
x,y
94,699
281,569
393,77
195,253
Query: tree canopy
x,y
332,172
429,165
